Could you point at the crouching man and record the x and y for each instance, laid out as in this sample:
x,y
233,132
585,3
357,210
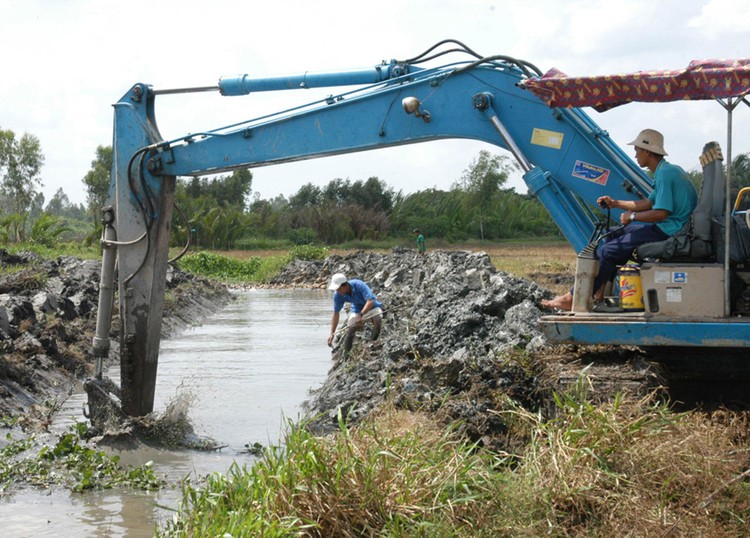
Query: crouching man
x,y
365,306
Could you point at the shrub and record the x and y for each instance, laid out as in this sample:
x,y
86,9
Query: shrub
x,y
307,252
220,267
47,229
303,236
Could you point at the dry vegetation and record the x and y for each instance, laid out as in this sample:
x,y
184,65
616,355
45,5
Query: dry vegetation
x,y
550,265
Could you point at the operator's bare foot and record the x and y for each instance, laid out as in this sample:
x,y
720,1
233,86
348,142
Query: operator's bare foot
x,y
561,302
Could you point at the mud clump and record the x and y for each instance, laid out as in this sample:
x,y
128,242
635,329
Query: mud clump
x,y
459,338
47,323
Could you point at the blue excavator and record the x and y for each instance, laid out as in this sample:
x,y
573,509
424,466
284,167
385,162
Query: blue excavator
x,y
567,160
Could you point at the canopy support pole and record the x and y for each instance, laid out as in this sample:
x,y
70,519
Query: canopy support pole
x,y
729,105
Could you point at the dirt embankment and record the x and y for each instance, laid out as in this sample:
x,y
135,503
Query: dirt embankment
x,y
47,323
459,338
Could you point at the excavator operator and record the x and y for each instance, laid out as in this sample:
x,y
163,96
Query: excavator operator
x,y
656,218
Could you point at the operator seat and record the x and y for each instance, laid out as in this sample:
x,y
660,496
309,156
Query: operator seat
x,y
694,241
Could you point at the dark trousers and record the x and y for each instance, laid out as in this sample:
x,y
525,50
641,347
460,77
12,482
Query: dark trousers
x,y
618,247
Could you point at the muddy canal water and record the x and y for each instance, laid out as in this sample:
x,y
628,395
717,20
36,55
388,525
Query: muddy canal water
x,y
242,373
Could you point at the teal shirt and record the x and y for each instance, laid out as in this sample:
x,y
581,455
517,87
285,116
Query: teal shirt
x,y
674,193
420,243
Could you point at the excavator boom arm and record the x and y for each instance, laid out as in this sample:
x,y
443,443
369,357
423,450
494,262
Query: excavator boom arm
x,y
567,161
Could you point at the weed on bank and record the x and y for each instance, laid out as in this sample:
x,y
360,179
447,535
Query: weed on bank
x,y
619,469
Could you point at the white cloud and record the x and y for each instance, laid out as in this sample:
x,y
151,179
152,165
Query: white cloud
x,y
722,18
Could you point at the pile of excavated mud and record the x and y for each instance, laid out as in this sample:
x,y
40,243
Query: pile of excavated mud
x,y
453,326
47,324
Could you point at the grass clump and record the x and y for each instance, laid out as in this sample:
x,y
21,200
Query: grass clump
x,y
22,280
308,252
628,468
220,267
270,266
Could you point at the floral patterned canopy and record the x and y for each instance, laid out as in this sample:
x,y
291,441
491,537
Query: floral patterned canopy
x,y
702,79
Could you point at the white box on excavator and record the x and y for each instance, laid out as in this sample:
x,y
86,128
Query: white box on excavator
x,y
683,289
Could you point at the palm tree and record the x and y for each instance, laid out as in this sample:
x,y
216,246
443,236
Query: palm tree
x,y
741,171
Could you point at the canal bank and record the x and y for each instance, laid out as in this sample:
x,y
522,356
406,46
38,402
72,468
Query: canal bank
x,y
47,323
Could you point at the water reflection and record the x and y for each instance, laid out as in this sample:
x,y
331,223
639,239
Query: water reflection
x,y
243,370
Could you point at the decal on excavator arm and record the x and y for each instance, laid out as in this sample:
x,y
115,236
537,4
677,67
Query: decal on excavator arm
x,y
548,139
591,172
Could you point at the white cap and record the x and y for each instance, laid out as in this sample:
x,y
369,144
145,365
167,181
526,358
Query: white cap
x,y
336,281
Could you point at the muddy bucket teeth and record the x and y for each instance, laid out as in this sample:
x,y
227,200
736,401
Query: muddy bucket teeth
x,y
103,402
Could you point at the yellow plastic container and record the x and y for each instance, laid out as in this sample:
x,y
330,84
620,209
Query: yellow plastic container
x,y
631,290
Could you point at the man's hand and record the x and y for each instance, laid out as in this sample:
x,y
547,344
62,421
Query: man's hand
x,y
334,324
605,201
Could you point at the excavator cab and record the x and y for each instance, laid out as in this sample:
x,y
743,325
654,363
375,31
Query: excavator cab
x,y
683,275
700,245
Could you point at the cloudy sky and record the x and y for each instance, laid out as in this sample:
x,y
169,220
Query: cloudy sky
x,y
65,62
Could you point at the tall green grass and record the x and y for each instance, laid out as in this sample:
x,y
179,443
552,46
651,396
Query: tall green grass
x,y
248,270
307,252
397,473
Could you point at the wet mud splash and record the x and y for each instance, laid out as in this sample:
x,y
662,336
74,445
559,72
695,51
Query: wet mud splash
x,y
170,429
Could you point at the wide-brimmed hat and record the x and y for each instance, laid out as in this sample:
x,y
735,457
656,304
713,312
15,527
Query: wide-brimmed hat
x,y
336,281
650,140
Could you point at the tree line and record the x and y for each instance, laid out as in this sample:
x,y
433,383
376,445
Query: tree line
x,y
222,212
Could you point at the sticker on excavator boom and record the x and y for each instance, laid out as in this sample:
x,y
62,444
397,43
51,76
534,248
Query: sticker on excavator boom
x,y
679,278
548,139
591,172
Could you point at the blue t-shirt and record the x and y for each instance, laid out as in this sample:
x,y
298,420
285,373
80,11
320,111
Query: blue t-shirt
x,y
360,294
674,193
